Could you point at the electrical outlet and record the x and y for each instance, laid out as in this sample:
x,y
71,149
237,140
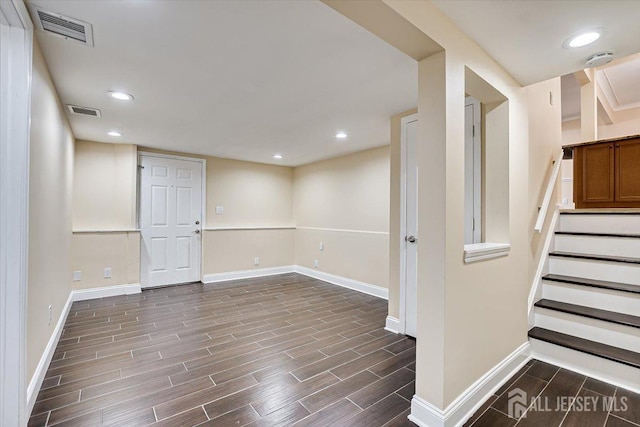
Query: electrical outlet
x,y
107,272
256,261
77,276
321,246
219,210
50,313
315,263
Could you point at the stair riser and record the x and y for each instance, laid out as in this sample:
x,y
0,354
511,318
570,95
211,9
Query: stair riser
x,y
629,224
614,246
604,299
590,329
586,364
599,270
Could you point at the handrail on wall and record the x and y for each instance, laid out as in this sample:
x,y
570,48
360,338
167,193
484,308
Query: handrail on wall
x,y
551,185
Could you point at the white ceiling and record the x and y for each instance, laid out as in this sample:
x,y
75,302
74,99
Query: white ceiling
x,y
526,36
246,80
621,84
240,80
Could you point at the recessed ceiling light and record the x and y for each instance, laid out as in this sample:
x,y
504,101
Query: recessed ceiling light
x,y
121,96
583,39
277,156
341,135
114,133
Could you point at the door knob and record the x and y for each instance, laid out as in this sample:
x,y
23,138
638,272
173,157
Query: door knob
x,y
197,231
411,239
197,222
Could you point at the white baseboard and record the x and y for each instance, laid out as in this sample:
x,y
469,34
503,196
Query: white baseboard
x,y
45,360
376,291
460,410
106,291
247,274
345,282
392,325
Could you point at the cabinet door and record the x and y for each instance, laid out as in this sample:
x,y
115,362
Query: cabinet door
x,y
628,171
598,173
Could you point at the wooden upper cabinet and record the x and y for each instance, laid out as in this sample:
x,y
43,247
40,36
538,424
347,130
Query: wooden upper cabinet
x,y
607,174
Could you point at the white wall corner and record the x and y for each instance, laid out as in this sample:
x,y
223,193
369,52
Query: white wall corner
x,y
392,324
38,376
460,410
106,291
376,291
247,274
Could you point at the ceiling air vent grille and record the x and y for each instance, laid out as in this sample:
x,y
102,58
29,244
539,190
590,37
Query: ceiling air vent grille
x,y
63,26
84,111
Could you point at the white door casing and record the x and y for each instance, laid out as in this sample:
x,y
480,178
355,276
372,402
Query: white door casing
x,y
409,228
472,172
171,193
16,47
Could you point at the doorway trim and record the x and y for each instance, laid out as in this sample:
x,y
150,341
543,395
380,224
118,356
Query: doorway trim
x,y
203,205
477,168
402,313
15,115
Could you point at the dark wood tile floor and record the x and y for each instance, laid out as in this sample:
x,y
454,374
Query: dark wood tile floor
x,y
282,350
563,398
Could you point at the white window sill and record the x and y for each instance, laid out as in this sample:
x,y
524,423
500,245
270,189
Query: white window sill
x,y
484,251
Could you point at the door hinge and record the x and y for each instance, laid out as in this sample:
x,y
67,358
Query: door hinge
x,y
473,223
473,130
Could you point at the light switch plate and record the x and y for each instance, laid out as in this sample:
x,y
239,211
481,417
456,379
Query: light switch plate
x,y
77,276
219,210
107,272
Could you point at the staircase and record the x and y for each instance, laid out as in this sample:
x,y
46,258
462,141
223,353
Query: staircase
x,y
588,314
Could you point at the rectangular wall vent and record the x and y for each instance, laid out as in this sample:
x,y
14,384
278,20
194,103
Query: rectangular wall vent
x,y
84,111
62,26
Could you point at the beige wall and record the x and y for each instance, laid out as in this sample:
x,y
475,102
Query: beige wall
x,y
629,126
92,252
50,192
344,203
235,250
471,316
252,194
104,186
545,141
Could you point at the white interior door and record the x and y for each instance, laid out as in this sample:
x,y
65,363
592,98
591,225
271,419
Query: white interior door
x,y
410,240
170,220
472,172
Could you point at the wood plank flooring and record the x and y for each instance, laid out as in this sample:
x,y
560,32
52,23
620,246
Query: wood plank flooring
x,y
282,350
564,398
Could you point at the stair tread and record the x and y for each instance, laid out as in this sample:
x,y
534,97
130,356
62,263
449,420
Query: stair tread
x,y
603,284
627,260
605,211
581,233
616,354
593,313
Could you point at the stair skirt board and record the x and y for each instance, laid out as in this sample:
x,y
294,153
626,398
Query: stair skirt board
x,y
595,245
604,299
612,334
599,270
602,223
615,373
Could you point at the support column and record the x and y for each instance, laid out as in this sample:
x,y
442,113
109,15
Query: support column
x,y
589,107
432,194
